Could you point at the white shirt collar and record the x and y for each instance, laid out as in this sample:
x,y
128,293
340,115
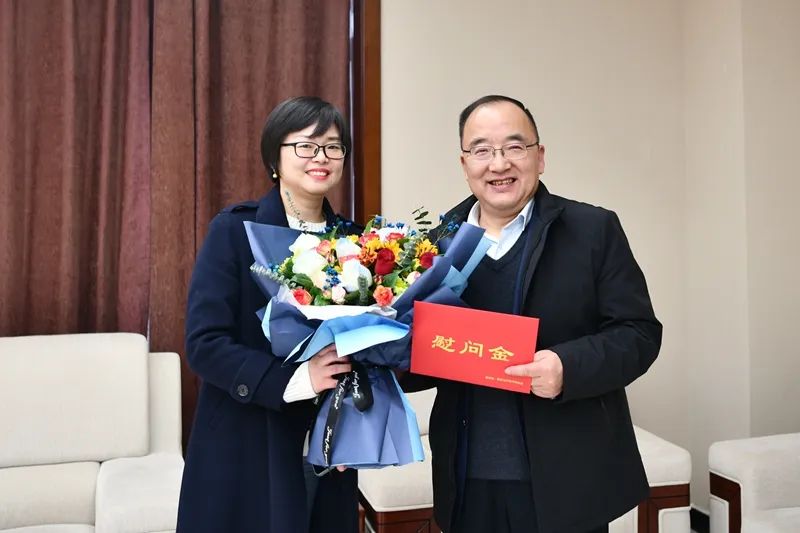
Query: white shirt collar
x,y
524,215
311,227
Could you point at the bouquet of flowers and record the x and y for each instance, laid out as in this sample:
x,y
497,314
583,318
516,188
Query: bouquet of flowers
x,y
357,291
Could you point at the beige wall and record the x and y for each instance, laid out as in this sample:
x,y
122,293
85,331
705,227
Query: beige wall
x,y
681,116
715,270
771,57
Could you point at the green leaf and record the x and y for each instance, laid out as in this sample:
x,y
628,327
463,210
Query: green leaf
x,y
304,281
389,280
351,297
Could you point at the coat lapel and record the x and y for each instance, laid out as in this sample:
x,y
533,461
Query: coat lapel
x,y
547,210
270,209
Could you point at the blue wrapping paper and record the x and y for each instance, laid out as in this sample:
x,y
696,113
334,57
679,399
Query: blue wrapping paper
x,y
386,433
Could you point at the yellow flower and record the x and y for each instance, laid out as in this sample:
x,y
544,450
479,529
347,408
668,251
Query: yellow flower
x,y
394,247
370,248
426,246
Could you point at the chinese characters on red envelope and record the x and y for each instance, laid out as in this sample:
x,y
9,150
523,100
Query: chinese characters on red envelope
x,y
472,346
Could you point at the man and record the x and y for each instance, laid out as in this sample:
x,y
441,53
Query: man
x,y
564,457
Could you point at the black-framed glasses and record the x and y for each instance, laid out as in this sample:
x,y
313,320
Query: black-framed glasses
x,y
307,149
485,152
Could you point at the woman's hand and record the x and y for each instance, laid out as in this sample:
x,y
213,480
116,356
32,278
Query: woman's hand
x,y
324,366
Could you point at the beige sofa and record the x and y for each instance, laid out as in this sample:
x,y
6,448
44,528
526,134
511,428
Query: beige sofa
x,y
397,500
90,436
755,485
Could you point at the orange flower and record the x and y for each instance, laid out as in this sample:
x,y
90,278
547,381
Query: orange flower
x,y
383,296
367,256
324,248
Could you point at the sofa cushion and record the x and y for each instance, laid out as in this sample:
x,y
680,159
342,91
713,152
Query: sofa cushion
x,y
399,488
47,494
153,482
53,528
44,420
785,520
664,462
767,468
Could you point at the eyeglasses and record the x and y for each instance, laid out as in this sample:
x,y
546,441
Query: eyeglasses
x,y
307,149
484,152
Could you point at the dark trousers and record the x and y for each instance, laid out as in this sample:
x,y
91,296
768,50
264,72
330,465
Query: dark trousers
x,y
499,507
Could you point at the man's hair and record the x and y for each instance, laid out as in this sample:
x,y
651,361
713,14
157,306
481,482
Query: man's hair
x,y
489,99
296,114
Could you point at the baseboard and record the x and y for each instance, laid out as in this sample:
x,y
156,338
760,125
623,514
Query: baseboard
x,y
699,521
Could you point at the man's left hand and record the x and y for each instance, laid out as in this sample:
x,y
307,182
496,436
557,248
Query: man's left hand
x,y
547,373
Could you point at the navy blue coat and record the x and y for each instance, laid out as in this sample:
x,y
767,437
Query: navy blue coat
x,y
244,469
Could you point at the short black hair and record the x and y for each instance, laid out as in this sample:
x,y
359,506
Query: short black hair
x,y
296,114
489,99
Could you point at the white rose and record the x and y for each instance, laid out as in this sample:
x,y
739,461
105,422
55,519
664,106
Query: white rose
x,y
309,263
319,278
412,277
337,294
346,247
304,242
351,271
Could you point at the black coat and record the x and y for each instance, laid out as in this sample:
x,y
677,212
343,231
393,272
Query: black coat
x,y
584,285
243,468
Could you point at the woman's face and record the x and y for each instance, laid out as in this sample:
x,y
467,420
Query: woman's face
x,y
311,176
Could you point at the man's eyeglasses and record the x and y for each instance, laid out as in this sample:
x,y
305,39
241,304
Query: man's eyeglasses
x,y
307,149
484,152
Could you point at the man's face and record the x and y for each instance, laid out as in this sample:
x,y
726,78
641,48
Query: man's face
x,y
503,186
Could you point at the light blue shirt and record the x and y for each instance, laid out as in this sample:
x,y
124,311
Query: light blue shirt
x,y
510,232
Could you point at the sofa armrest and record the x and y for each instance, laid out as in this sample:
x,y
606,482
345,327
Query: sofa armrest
x,y
165,403
138,494
766,468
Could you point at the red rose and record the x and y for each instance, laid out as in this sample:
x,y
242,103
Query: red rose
x,y
394,236
384,263
302,296
426,260
383,295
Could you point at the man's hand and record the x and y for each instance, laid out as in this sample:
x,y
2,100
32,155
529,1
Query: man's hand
x,y
547,373
324,366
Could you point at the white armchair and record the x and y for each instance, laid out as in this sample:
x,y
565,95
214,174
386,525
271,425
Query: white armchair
x,y
90,435
755,484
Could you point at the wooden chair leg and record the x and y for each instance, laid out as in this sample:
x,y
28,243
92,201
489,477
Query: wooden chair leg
x,y
660,498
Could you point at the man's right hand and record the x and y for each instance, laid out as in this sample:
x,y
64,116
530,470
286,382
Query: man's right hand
x,y
323,366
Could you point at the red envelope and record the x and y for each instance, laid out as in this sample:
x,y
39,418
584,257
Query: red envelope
x,y
472,346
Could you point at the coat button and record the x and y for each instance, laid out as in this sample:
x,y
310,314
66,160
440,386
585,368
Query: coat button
x,y
242,390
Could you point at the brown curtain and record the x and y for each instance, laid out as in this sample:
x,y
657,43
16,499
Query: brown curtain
x,y
116,151
218,69
74,166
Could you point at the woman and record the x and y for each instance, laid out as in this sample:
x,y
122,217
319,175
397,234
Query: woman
x,y
244,466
